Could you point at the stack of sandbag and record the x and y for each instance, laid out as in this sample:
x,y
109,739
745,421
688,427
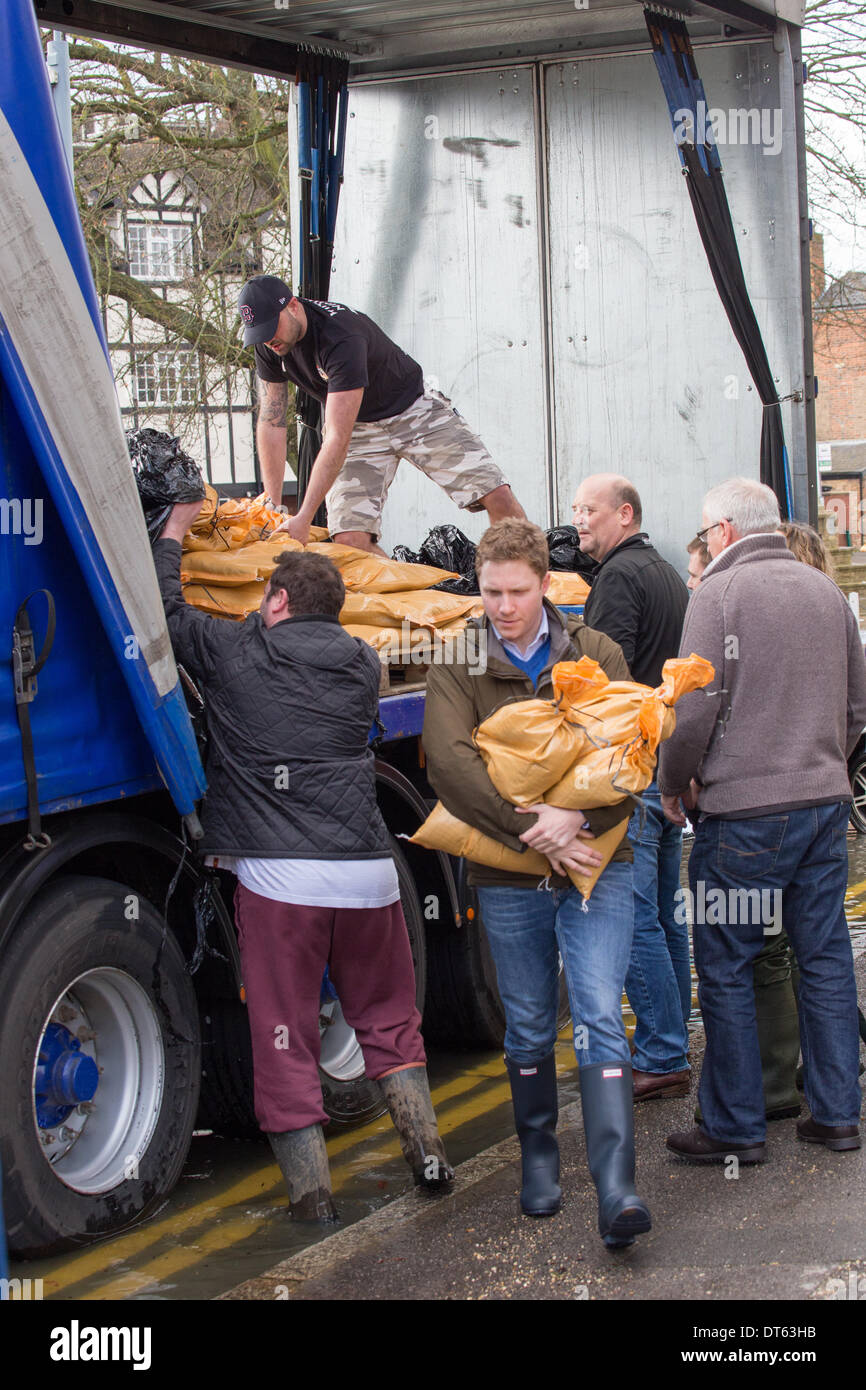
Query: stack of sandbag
x,y
231,551
592,745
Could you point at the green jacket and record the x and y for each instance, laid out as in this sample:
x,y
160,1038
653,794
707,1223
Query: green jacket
x,y
456,703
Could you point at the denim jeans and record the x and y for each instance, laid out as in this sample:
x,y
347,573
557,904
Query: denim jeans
x,y
658,983
528,929
799,861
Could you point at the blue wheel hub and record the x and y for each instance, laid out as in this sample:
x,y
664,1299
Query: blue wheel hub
x,y
328,991
65,1076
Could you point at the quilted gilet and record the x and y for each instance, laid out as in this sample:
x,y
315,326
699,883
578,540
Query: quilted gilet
x,y
289,713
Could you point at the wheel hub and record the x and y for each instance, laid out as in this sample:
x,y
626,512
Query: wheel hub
x,y
98,1080
65,1076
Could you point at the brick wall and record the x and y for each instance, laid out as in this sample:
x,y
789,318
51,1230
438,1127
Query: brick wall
x,y
840,365
840,362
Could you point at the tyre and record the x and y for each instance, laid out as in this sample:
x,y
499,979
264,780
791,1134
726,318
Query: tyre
x,y
99,1065
349,1097
464,1009
857,772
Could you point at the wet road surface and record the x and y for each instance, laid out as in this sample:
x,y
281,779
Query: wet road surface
x,y
227,1219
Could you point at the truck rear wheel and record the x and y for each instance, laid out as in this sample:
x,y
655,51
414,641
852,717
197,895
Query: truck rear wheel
x,y
463,1004
857,773
348,1096
99,1064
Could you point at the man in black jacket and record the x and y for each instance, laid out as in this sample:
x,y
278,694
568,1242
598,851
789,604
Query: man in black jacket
x,y
640,601
291,811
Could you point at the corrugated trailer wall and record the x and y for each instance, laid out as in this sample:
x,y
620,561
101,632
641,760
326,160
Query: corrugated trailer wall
x,y
526,233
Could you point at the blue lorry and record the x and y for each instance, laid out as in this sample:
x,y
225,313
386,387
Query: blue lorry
x,y
123,1022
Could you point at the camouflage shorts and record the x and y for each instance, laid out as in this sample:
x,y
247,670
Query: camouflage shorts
x,y
430,435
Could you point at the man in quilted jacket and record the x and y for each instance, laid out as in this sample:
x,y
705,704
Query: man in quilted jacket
x,y
291,811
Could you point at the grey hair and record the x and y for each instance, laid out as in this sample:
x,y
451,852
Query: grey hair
x,y
749,506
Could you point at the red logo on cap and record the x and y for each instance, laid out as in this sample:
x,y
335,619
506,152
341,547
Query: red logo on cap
x,y
247,314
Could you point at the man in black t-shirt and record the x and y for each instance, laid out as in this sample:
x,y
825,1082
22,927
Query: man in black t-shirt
x,y
376,412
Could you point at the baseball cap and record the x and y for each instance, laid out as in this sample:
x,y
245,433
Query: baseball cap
x,y
260,304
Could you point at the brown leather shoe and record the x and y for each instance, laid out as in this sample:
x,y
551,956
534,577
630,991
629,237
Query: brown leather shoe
x,y
654,1085
696,1146
836,1137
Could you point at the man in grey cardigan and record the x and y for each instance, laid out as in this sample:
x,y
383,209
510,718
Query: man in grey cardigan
x,y
759,760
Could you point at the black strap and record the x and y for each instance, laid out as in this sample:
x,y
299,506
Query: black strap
x,y
25,668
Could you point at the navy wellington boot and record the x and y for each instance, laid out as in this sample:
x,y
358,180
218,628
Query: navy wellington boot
x,y
533,1093
608,1122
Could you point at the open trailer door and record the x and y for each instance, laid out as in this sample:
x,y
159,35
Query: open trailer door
x,y
54,363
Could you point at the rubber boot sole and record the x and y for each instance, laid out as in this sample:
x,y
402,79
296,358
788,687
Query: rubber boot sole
x,y
631,1222
550,1210
837,1145
758,1154
666,1093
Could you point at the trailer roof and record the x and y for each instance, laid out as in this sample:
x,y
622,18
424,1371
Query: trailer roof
x,y
392,35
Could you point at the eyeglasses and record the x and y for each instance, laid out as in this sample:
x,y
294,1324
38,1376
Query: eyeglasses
x,y
702,535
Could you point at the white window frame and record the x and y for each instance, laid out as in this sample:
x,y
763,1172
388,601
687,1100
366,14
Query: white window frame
x,y
159,251
166,379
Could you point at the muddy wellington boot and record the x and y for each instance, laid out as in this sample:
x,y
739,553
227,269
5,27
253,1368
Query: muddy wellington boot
x,y
608,1122
778,1028
774,974
536,1110
303,1161
407,1096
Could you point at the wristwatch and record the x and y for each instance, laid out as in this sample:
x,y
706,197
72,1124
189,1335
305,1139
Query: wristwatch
x,y
277,507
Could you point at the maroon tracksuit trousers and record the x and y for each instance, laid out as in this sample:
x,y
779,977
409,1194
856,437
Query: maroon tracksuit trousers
x,y
284,950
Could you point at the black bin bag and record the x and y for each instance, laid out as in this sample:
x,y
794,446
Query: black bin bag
x,y
563,543
164,474
446,548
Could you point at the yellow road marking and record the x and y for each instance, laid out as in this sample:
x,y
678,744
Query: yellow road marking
x,y
856,887
231,1233
102,1257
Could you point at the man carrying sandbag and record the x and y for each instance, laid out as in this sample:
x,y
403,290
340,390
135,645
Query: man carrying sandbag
x,y
527,929
291,810
639,600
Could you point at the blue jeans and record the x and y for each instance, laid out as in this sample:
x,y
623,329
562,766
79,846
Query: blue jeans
x,y
798,862
528,929
658,983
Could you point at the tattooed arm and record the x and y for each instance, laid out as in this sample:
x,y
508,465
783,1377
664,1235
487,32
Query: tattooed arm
x,y
271,436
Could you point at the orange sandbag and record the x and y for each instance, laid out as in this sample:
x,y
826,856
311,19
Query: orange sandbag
x,y
225,600
420,608
528,745
603,776
371,574
250,562
445,832
567,588
386,639
591,745
240,521
624,723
